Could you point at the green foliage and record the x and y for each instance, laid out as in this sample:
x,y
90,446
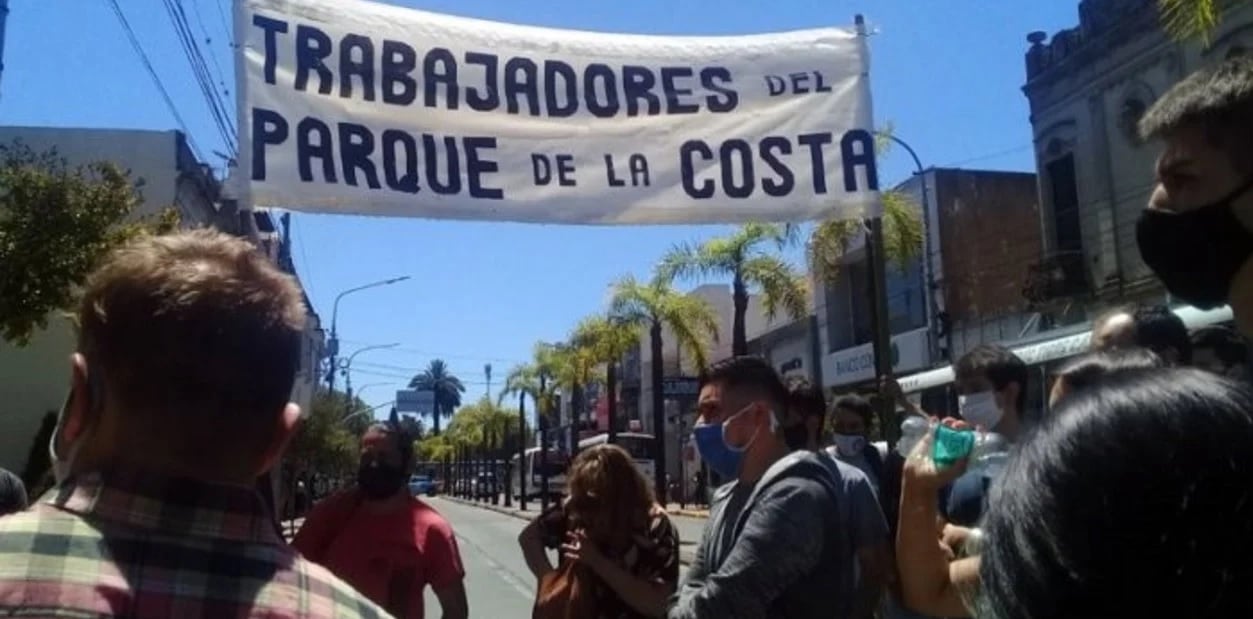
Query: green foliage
x,y
1185,20
750,258
328,440
446,387
484,423
56,224
640,305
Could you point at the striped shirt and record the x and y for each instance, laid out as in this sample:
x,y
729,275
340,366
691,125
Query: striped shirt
x,y
135,544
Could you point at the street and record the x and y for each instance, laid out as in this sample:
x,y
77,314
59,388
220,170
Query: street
x,y
498,583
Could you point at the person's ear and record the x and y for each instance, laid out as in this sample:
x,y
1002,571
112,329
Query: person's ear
x,y
285,428
80,405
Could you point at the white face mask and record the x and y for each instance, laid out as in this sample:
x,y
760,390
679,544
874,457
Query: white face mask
x,y
61,467
980,409
849,445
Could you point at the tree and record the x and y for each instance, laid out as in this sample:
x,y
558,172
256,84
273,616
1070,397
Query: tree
x,y
902,230
323,442
445,387
743,256
571,365
1186,20
608,339
56,224
651,306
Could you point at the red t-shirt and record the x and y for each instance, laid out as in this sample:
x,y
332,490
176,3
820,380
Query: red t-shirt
x,y
389,557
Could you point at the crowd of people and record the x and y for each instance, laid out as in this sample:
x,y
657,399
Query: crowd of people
x,y
1127,497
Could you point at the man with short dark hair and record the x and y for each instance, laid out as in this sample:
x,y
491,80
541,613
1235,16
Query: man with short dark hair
x,y
1115,328
991,385
381,539
1163,332
807,410
778,541
1197,232
188,348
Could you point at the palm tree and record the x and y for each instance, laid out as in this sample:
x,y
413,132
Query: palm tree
x,y
651,306
1185,20
445,387
745,257
609,339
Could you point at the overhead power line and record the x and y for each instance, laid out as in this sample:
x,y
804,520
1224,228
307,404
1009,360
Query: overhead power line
x,y
200,72
156,79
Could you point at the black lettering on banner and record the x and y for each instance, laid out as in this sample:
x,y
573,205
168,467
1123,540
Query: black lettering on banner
x,y
613,179
271,28
638,165
815,142
687,169
852,158
726,154
313,47
715,79
453,167
487,99
407,182
674,92
557,71
771,147
800,82
775,85
637,85
476,167
307,150
362,68
565,170
356,144
440,68
399,61
541,169
520,78
820,85
598,72
269,128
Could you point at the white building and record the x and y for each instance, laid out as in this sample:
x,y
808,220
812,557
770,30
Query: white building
x,y
34,378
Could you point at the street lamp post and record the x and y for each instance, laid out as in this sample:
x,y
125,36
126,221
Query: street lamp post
x,y
346,365
333,344
523,471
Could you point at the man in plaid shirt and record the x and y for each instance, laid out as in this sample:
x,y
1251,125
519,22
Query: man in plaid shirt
x,y
188,348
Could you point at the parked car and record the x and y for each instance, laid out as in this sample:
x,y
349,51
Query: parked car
x,y
421,484
486,486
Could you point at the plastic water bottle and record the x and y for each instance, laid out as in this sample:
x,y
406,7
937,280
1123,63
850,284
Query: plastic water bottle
x,y
912,431
989,455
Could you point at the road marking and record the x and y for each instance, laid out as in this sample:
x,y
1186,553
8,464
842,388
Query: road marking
x,y
503,572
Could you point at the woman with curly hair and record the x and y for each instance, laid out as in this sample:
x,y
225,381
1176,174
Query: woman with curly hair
x,y
619,552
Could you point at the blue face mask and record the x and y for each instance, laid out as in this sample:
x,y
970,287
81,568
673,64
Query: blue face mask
x,y
711,442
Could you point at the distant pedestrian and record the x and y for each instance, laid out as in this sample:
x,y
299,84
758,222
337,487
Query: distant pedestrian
x,y
188,347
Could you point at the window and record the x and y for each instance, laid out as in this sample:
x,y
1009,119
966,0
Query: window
x,y
906,298
1067,233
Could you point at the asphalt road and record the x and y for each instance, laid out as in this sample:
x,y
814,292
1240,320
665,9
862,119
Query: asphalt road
x,y
498,583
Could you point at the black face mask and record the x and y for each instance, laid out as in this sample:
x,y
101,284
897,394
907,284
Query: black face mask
x,y
1196,253
379,480
796,436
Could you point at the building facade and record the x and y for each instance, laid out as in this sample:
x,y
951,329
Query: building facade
x,y
977,225
34,378
1088,87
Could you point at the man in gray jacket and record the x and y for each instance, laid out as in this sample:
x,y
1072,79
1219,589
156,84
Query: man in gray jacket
x,y
780,538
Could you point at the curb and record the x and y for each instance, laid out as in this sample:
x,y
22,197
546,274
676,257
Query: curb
x,y
686,556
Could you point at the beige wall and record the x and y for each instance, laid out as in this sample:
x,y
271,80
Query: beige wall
x,y
33,379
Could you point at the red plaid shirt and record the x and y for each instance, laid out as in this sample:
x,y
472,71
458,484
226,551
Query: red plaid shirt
x,y
134,544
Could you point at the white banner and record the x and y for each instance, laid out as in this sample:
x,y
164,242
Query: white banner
x,y
360,108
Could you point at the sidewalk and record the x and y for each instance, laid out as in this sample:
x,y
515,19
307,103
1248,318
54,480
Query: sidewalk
x,y
687,550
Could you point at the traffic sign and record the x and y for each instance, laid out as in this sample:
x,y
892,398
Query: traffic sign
x,y
420,401
680,387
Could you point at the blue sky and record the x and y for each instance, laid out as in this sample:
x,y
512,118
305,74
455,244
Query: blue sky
x,y
947,76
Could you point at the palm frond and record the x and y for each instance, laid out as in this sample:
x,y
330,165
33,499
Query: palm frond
x,y
828,244
782,286
693,322
631,301
683,261
883,139
902,228
1185,20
